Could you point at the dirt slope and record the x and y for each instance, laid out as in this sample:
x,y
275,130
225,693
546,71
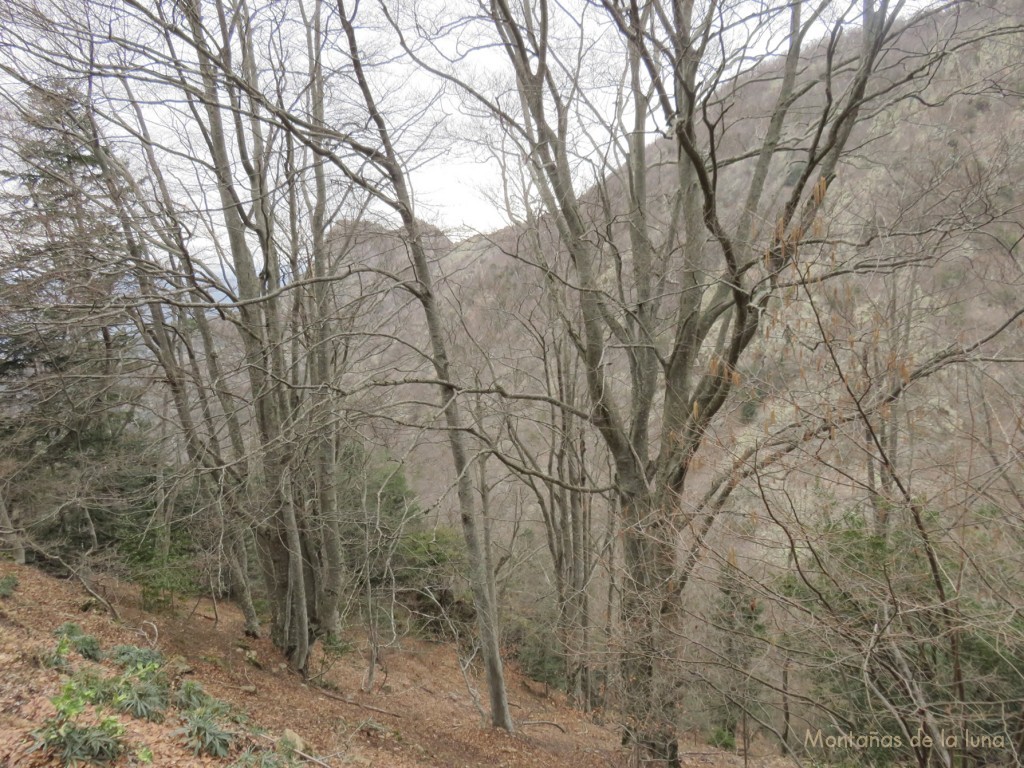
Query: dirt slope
x,y
420,712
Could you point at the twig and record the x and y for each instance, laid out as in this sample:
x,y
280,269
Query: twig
x,y
303,755
213,597
196,607
90,590
155,639
465,677
544,722
346,700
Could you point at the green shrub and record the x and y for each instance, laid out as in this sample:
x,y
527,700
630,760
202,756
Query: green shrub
x,y
145,699
870,567
8,584
430,559
141,693
220,709
191,696
162,582
68,629
337,647
748,411
74,742
133,657
156,596
722,739
58,658
94,686
162,575
87,646
204,735
538,652
425,568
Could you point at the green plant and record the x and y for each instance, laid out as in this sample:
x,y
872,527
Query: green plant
x,y
748,411
156,597
87,646
131,656
538,652
191,696
8,584
68,629
162,576
337,647
75,742
146,699
150,673
722,739
736,615
144,755
908,561
427,560
58,658
204,735
95,687
334,649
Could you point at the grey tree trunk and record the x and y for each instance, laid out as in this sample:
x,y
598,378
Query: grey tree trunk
x,y
480,574
10,537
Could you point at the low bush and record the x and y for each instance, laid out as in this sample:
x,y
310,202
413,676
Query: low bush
x,y
131,656
538,652
8,584
73,741
94,686
191,696
86,646
203,734
145,699
58,657
722,739
74,744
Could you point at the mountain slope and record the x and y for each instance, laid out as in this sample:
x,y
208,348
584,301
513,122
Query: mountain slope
x,y
419,713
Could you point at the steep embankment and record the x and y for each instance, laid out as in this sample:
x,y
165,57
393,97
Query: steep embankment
x,y
419,713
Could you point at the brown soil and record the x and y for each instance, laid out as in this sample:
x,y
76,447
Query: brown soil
x,y
419,713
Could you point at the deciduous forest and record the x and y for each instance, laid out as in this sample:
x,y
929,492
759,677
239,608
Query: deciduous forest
x,y
720,433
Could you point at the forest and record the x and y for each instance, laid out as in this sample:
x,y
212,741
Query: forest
x,y
670,350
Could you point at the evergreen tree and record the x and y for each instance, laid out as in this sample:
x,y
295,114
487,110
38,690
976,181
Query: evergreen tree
x,y
64,404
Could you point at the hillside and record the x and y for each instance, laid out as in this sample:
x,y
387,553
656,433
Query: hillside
x,y
725,428
419,713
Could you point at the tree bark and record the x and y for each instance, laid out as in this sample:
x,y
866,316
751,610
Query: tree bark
x,y
10,536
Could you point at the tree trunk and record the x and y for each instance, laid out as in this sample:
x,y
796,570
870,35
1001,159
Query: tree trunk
x,y
238,564
10,536
648,673
480,575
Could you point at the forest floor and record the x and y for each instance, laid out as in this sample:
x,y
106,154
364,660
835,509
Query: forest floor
x,y
419,712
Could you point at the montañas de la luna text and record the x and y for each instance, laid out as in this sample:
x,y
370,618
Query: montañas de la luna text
x,y
876,740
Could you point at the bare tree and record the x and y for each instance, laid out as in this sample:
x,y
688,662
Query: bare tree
x,y
261,141
679,254
243,149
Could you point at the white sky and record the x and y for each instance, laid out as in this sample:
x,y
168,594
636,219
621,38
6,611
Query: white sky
x,y
451,195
